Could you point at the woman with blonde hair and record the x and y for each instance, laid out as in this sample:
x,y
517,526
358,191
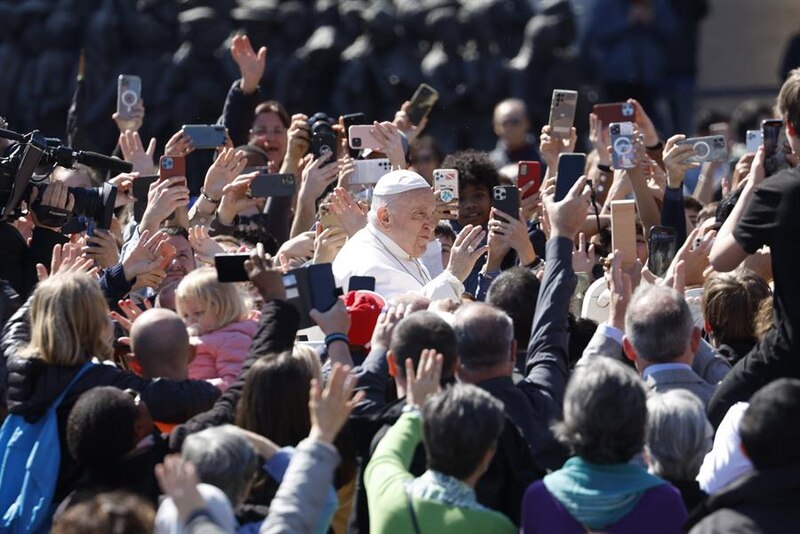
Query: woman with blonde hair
x,y
61,329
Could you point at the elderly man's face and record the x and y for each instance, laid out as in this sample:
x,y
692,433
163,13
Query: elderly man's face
x,y
409,220
511,124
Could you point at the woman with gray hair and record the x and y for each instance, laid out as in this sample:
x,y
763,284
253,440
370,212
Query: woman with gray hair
x,y
599,489
678,437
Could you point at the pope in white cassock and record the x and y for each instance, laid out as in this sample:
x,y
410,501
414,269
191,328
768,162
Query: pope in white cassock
x,y
400,225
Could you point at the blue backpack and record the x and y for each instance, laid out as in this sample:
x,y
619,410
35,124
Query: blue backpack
x,y
30,456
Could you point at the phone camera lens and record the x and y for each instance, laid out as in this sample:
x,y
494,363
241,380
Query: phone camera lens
x,y
356,142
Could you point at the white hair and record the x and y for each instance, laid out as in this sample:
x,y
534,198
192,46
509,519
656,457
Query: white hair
x,y
678,434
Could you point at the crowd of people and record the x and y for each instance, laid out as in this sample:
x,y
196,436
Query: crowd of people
x,y
481,371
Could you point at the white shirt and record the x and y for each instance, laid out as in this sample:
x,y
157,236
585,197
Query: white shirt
x,y
370,252
725,462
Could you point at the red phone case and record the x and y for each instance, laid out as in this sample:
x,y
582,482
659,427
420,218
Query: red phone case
x,y
169,166
529,171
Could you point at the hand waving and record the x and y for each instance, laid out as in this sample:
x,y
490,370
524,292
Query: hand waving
x,y
251,64
331,407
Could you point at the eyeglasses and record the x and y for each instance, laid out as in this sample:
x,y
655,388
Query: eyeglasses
x,y
263,132
511,121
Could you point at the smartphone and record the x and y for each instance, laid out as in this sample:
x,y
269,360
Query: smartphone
x,y
205,136
616,112
141,188
662,245
709,148
570,168
446,181
774,136
360,137
310,287
753,139
359,283
422,102
230,267
273,185
505,198
562,112
369,171
529,172
170,166
129,92
623,230
352,119
623,155
324,143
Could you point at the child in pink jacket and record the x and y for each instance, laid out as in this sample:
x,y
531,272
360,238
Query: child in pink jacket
x,y
217,313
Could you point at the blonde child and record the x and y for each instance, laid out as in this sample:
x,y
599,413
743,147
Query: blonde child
x,y
217,315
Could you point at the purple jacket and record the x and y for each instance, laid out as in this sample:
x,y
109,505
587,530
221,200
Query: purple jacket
x,y
660,510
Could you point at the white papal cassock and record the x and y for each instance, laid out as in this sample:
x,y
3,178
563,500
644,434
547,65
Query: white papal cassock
x,y
370,252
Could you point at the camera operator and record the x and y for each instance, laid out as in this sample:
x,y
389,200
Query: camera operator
x,y
19,258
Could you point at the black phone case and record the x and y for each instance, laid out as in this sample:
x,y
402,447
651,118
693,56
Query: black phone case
x,y
358,283
311,287
506,199
230,267
421,104
273,185
141,187
322,143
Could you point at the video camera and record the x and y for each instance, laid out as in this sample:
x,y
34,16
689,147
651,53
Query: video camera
x,y
29,161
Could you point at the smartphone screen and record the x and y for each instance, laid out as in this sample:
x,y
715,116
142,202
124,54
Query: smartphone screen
x,y
529,172
570,168
141,188
230,267
422,102
774,151
662,247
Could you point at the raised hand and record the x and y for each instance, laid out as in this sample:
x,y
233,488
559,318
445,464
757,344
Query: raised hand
x,y
179,144
163,198
391,143
387,320
228,165
124,184
599,137
551,146
466,251
334,321
102,248
130,312
621,287
179,480
267,280
66,259
404,124
235,198
426,381
327,243
567,216
145,256
645,124
514,232
316,178
675,157
134,153
204,247
349,213
251,64
331,407
299,136
134,123
583,259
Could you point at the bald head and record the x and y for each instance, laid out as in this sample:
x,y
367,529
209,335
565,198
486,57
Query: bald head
x,y
511,122
160,344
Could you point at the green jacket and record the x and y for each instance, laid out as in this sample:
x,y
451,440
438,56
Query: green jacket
x,y
386,477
